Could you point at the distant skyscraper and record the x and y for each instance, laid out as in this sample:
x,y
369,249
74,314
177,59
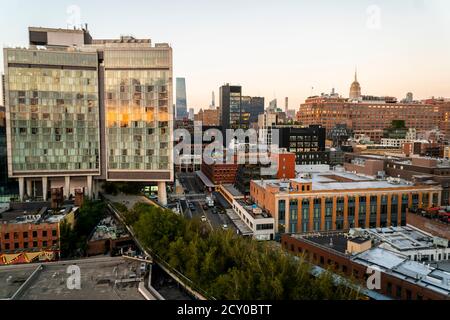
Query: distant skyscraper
x,y
409,97
181,100
213,101
191,114
254,106
230,105
355,89
286,105
273,105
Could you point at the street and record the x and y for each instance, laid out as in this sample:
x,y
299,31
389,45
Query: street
x,y
195,193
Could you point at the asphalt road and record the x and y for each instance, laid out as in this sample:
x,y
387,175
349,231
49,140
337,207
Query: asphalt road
x,y
193,185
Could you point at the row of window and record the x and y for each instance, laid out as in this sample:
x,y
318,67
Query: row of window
x,y
26,234
26,245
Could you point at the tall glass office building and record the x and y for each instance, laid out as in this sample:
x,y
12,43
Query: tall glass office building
x,y
137,86
82,111
181,99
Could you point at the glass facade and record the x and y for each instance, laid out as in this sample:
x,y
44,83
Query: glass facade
x,y
317,214
373,211
181,100
235,110
394,210
54,110
138,109
328,214
351,211
293,218
384,211
362,212
281,216
305,215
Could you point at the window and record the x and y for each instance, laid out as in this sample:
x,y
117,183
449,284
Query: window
x,y
54,233
398,292
408,295
44,233
6,236
35,234
35,244
389,288
6,246
25,235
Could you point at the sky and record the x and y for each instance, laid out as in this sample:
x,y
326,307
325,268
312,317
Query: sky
x,y
274,49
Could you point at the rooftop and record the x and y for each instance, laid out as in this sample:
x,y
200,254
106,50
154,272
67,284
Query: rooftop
x,y
336,241
335,180
242,227
401,267
101,279
405,238
109,228
44,215
253,210
233,191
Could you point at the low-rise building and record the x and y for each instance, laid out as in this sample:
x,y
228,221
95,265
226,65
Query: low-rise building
x,y
26,232
354,256
410,242
427,170
248,218
339,200
259,222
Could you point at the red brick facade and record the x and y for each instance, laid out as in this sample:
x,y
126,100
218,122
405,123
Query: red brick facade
x,y
340,263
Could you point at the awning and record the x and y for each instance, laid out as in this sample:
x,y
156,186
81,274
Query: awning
x,y
205,179
8,258
30,256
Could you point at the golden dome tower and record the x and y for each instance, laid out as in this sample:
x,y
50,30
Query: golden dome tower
x,y
355,89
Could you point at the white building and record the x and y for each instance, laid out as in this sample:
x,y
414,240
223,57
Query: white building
x,y
260,223
411,242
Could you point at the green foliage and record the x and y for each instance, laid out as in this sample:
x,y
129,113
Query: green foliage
x,y
227,266
74,238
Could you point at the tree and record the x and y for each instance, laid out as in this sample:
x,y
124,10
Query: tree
x,y
227,266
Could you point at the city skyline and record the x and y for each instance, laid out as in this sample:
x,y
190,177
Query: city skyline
x,y
283,34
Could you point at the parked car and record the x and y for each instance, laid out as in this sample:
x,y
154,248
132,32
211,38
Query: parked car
x,y
204,219
225,227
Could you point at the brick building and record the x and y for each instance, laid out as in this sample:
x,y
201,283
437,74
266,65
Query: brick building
x,y
33,232
400,277
337,200
283,161
427,170
372,118
208,117
220,173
